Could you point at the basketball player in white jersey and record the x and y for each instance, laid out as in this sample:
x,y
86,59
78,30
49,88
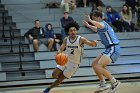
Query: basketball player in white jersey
x,y
73,44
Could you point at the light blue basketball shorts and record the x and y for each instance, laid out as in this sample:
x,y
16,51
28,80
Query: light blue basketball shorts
x,y
113,52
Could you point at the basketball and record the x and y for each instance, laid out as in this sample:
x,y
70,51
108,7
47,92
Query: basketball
x,y
61,59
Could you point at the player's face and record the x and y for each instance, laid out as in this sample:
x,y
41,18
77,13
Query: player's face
x,y
95,18
72,32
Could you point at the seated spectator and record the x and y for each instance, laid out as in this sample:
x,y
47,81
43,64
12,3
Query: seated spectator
x,y
137,6
113,18
64,21
126,16
95,4
51,37
82,3
68,5
138,19
35,35
131,4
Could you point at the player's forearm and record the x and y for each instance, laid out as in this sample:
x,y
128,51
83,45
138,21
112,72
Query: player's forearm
x,y
93,28
97,24
92,43
61,49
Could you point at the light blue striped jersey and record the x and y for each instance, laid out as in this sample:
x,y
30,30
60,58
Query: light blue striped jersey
x,y
107,35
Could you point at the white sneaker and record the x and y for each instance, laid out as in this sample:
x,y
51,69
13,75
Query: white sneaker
x,y
102,86
114,86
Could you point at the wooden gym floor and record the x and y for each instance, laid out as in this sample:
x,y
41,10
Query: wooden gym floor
x,y
125,87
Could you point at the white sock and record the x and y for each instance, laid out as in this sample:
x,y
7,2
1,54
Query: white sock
x,y
103,81
113,80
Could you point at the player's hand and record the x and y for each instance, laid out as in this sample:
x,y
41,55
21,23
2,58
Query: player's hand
x,y
85,23
88,18
94,43
58,52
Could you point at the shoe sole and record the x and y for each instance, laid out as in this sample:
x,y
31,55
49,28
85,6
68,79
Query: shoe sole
x,y
116,87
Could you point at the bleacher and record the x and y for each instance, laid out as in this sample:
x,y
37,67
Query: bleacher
x,y
19,65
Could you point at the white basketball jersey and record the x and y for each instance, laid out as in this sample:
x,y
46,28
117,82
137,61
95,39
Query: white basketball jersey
x,y
74,50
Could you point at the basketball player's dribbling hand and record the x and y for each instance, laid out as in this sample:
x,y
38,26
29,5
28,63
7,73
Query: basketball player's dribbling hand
x,y
57,53
94,43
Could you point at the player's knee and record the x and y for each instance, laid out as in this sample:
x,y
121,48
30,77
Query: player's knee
x,y
97,65
100,64
54,75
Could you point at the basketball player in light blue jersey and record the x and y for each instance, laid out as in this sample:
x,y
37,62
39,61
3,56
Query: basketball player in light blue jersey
x,y
111,53
73,44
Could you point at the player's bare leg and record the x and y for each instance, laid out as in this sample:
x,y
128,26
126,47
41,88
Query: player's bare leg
x,y
103,85
100,70
99,67
102,63
57,73
94,64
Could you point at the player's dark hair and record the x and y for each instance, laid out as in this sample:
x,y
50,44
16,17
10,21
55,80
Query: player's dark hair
x,y
71,24
97,14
